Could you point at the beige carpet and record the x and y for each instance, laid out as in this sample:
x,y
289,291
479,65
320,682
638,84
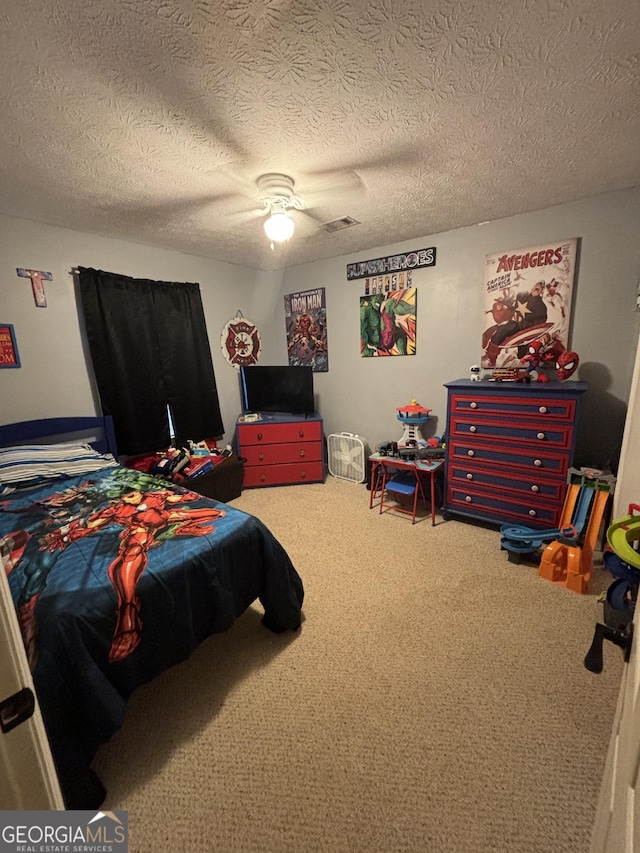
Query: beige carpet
x,y
435,699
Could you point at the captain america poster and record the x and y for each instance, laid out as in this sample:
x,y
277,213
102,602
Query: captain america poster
x,y
527,298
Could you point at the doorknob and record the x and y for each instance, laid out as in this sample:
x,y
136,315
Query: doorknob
x,y
16,709
622,638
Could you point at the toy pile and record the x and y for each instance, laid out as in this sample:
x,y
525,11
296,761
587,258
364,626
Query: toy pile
x,y
182,463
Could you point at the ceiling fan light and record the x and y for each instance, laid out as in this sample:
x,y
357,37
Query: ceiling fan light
x,y
279,227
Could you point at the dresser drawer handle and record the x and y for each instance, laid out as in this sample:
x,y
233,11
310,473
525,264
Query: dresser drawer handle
x,y
543,410
541,436
303,475
473,429
469,476
535,488
471,453
537,463
473,405
468,499
302,454
263,477
301,433
260,456
532,513
259,436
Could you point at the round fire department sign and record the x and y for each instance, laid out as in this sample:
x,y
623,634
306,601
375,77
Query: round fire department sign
x,y
240,341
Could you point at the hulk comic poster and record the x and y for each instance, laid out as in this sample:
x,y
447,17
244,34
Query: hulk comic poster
x,y
388,323
306,323
527,297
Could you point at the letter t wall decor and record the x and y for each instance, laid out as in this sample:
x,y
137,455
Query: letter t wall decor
x,y
37,277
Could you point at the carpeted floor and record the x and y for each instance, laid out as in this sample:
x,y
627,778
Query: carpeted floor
x,y
434,699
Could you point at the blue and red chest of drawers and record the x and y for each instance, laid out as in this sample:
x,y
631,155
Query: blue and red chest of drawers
x,y
509,448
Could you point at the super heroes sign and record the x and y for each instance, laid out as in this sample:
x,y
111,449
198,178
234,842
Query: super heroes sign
x,y
392,263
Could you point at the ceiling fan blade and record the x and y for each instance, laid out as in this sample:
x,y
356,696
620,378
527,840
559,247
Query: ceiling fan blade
x,y
241,217
325,185
141,211
306,224
322,187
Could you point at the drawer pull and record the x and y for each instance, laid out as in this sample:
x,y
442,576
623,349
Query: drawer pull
x,y
260,456
301,433
302,454
469,476
473,405
537,463
303,475
532,513
543,410
468,499
263,477
540,435
259,436
473,429
471,453
535,488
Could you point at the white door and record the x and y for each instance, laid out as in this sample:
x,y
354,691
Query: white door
x,y
27,774
617,828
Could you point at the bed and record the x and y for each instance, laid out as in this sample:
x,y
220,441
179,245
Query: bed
x,y
116,575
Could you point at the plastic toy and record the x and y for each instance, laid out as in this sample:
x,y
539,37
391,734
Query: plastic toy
x,y
567,364
568,558
535,360
622,534
569,562
474,373
412,417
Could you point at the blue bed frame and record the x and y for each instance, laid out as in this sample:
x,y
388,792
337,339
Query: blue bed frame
x,y
96,429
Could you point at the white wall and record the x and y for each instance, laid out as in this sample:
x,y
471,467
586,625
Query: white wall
x,y
357,394
361,395
54,379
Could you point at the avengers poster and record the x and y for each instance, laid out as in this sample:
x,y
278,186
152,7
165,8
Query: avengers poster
x,y
527,297
388,323
306,323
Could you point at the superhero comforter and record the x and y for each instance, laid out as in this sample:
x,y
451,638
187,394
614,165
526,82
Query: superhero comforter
x,y
118,575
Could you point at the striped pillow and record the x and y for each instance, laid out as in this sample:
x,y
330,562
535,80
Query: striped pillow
x,y
29,464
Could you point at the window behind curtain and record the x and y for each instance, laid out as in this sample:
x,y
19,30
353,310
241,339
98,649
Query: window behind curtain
x,y
149,348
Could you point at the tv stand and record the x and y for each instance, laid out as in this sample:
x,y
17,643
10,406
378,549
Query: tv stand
x,y
281,450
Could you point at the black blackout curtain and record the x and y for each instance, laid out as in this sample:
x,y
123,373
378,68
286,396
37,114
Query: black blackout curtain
x,y
149,347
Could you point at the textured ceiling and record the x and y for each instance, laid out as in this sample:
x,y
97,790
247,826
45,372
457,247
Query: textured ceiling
x,y
150,120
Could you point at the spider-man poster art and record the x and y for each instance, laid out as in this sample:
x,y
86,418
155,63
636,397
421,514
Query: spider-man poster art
x,y
306,323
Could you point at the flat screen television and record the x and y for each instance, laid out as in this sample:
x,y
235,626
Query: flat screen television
x,y
277,389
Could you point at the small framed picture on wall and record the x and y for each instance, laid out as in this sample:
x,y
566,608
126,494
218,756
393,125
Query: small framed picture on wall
x,y
8,347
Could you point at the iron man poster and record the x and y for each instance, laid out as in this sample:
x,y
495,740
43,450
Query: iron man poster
x,y
306,324
527,297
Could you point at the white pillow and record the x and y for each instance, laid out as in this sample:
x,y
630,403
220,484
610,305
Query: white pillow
x,y
30,464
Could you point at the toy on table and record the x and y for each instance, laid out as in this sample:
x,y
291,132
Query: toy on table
x,y
412,417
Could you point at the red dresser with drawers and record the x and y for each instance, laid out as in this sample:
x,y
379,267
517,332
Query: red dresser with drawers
x,y
281,450
509,448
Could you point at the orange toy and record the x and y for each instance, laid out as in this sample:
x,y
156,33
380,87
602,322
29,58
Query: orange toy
x,y
568,561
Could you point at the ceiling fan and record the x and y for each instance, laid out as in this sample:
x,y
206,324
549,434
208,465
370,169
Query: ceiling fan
x,y
275,191
284,209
